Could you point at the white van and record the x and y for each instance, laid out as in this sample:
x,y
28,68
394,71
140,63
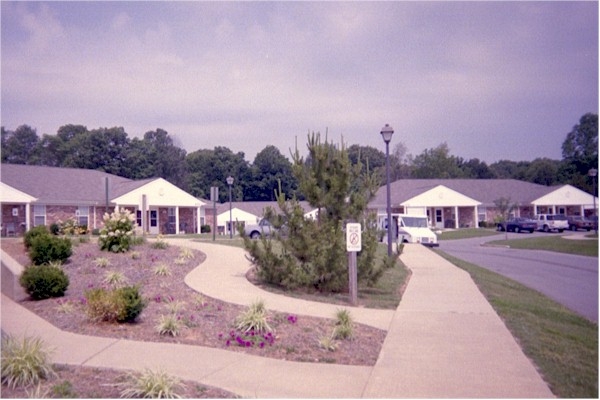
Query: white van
x,y
409,229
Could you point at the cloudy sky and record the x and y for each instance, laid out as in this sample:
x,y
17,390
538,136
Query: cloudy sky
x,y
495,81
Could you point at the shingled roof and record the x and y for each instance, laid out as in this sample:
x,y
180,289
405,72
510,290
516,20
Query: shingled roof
x,y
52,185
485,191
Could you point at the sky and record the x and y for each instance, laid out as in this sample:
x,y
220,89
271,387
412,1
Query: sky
x,y
493,80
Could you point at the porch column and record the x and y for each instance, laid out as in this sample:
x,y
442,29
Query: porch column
x,y
456,224
581,211
177,220
198,220
27,216
476,217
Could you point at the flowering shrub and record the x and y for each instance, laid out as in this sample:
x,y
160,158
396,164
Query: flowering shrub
x,y
71,227
117,234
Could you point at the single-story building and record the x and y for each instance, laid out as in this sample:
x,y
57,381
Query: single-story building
x,y
38,195
245,213
456,203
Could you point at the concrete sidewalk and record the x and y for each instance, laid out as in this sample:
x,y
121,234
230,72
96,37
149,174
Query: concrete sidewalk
x,y
444,340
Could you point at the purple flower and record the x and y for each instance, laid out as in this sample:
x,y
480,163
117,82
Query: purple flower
x,y
248,344
157,298
228,342
220,336
292,319
262,344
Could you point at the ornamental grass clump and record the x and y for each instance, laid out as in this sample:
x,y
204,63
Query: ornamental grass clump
x,y
25,361
344,326
101,262
254,319
151,384
170,324
117,234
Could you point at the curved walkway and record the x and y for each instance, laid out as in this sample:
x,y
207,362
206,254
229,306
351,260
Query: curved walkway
x,y
444,340
223,276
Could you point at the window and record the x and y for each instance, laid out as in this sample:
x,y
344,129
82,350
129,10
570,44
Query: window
x,y
138,217
481,213
39,215
83,215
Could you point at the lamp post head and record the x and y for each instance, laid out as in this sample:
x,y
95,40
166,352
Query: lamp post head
x,y
386,133
593,172
229,180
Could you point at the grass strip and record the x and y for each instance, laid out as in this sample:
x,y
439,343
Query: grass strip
x,y
562,344
467,233
553,243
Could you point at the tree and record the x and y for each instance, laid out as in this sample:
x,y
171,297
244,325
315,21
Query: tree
x,y
436,163
476,169
104,149
580,152
505,206
166,160
20,146
269,169
543,171
581,144
400,163
207,168
54,149
505,169
312,253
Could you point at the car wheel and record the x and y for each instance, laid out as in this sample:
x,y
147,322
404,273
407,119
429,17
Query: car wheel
x,y
546,228
499,228
255,235
531,231
517,230
561,230
573,228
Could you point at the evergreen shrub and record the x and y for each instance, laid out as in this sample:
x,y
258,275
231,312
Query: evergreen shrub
x,y
34,232
46,248
44,281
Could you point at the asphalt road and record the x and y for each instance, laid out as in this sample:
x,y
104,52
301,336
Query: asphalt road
x,y
571,280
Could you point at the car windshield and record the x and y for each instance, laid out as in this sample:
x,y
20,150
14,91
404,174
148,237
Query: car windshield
x,y
414,222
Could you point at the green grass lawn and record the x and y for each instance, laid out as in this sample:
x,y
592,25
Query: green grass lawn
x,y
553,243
466,233
562,344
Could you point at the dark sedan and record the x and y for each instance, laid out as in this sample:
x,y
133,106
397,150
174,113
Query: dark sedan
x,y
518,225
577,222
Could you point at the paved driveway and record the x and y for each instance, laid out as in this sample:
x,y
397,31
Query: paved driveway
x,y
569,279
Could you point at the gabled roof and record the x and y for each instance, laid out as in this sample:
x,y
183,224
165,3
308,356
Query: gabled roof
x,y
484,191
565,195
52,185
441,196
73,186
159,192
9,194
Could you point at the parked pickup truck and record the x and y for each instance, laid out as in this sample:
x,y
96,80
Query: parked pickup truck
x,y
552,222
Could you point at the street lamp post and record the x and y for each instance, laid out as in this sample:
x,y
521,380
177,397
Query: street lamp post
x,y
230,182
593,172
386,133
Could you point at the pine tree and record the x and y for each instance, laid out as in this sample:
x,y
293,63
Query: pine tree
x,y
312,253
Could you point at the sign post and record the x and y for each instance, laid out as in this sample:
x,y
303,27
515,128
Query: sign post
x,y
353,245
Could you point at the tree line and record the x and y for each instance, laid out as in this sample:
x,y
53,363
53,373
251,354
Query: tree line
x,y
156,155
